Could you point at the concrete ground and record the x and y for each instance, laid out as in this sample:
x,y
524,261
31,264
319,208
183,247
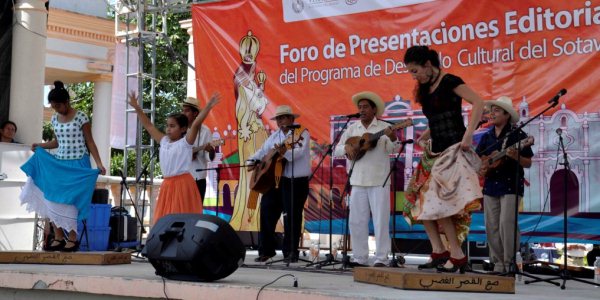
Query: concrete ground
x,y
138,281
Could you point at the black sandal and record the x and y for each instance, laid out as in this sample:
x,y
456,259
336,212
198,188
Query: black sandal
x,y
58,247
75,247
48,239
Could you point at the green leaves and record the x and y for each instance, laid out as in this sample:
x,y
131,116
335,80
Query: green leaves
x,y
116,162
84,97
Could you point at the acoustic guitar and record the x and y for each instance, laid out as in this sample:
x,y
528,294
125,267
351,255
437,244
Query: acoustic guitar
x,y
268,171
368,141
495,159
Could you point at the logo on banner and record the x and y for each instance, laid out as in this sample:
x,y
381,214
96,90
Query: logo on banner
x,y
302,10
298,6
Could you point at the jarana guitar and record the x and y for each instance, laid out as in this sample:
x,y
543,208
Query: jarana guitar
x,y
368,141
495,159
211,151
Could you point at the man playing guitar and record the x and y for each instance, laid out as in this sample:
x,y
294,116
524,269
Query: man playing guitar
x,y
367,178
279,198
499,194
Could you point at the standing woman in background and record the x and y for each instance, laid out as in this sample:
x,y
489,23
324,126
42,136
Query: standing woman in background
x,y
60,186
444,204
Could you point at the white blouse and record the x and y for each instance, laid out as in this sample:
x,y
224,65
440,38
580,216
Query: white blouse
x,y
175,157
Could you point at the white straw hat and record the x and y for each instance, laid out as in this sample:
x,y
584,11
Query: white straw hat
x,y
284,110
505,103
368,95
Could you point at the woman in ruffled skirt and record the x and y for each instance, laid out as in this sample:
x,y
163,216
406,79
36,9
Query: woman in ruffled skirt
x,y
445,187
59,186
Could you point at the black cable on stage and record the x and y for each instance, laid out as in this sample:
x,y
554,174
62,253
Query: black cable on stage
x,y
284,275
164,287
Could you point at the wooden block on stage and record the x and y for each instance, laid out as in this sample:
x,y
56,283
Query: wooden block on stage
x,y
64,258
412,279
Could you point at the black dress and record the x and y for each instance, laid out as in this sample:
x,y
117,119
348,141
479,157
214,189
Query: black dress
x,y
443,109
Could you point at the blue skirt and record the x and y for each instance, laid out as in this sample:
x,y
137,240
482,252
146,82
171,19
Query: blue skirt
x,y
63,182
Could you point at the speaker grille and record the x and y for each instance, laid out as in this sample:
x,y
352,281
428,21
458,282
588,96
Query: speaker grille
x,y
194,247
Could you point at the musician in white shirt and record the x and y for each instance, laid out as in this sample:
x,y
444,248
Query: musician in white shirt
x,y
367,178
277,200
202,148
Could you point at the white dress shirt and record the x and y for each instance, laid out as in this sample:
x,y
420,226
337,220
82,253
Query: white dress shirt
x,y
201,162
301,154
374,166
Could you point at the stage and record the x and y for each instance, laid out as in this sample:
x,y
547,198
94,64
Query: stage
x,y
137,281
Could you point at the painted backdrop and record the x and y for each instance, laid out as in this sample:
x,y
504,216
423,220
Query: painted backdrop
x,y
314,54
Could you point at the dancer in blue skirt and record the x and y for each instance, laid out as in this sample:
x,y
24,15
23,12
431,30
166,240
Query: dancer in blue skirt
x,y
60,185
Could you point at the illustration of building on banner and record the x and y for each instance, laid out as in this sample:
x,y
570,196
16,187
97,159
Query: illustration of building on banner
x,y
224,204
578,132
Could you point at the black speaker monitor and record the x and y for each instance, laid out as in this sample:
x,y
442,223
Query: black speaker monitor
x,y
194,247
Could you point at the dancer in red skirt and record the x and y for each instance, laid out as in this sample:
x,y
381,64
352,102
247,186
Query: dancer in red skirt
x,y
178,192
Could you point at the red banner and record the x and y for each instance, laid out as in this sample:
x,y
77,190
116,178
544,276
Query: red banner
x,y
315,54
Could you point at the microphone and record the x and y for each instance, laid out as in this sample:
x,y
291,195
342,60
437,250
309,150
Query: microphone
x,y
293,126
559,131
555,98
409,141
350,116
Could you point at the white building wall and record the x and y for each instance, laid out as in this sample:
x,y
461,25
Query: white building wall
x,y
97,8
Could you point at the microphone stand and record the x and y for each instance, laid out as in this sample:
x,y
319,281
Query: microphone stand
x,y
564,274
125,187
144,173
516,130
396,261
290,214
329,258
345,257
124,192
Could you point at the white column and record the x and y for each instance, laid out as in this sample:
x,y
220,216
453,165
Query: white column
x,y
101,120
191,74
27,69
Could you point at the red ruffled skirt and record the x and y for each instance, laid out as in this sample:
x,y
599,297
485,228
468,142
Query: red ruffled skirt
x,y
178,195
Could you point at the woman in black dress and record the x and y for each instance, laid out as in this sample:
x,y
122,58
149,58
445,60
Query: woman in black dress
x,y
440,94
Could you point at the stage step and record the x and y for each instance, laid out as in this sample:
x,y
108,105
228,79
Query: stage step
x,y
64,258
412,279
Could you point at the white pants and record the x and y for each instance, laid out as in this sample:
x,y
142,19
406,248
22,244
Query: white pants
x,y
375,199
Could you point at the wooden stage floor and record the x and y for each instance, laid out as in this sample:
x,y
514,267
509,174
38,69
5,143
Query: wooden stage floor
x,y
138,281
